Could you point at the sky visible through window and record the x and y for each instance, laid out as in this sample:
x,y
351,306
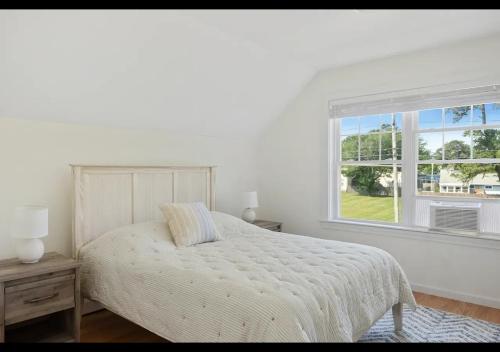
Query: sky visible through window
x,y
369,124
454,117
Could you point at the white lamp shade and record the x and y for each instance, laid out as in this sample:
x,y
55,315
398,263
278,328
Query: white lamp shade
x,y
30,222
250,200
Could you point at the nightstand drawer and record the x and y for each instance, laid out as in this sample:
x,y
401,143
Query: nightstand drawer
x,y
34,299
38,278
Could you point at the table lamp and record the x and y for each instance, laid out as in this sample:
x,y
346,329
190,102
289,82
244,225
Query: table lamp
x,y
249,202
30,224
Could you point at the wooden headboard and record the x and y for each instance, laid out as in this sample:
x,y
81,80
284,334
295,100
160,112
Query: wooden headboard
x,y
106,196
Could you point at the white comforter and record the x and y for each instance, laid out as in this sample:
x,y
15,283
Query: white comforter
x,y
255,285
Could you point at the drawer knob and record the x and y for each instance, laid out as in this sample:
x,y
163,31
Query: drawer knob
x,y
39,299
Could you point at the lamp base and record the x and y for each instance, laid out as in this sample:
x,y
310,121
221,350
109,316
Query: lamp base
x,y
29,251
248,215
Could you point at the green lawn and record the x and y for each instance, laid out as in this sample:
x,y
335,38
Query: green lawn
x,y
379,208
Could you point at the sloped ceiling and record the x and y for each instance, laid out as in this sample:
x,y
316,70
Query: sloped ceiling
x,y
217,73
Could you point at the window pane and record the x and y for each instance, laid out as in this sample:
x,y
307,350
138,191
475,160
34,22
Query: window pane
x,y
369,124
430,119
459,180
486,114
457,116
428,178
349,148
349,125
456,146
486,143
370,147
430,145
390,120
367,193
387,146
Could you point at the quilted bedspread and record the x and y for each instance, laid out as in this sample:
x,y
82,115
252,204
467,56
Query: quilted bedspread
x,y
254,285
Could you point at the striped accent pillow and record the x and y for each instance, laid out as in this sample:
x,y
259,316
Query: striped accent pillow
x,y
190,223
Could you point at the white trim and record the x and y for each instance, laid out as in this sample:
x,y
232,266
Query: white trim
x,y
459,128
373,162
329,178
459,161
484,240
466,198
334,176
408,171
464,297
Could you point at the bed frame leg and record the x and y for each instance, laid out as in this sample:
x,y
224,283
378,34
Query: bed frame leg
x,y
397,315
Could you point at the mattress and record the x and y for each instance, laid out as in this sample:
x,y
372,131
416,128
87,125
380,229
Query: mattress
x,y
254,285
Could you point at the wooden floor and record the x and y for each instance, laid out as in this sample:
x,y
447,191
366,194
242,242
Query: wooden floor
x,y
104,326
450,305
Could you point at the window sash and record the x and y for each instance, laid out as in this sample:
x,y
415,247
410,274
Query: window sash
x,y
408,186
462,128
443,130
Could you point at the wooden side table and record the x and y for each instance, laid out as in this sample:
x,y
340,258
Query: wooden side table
x,y
40,302
270,225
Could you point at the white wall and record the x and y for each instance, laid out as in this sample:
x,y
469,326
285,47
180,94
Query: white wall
x,y
293,165
35,158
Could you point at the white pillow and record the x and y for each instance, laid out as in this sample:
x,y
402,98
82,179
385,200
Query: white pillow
x,y
190,223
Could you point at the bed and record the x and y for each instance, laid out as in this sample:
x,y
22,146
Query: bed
x,y
253,286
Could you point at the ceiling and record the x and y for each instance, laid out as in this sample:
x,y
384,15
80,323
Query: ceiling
x,y
211,72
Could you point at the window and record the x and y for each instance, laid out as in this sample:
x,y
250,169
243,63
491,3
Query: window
x,y
458,148
371,167
385,166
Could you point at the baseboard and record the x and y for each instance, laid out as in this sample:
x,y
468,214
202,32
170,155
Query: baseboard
x,y
464,297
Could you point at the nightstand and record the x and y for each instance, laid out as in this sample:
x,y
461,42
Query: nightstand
x,y
40,302
270,225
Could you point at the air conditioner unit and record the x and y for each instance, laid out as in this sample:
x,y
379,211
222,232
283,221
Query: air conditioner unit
x,y
462,217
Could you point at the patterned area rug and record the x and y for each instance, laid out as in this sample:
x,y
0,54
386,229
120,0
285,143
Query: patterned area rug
x,y
432,325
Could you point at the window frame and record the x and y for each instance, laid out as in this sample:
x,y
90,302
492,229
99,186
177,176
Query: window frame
x,y
336,164
409,149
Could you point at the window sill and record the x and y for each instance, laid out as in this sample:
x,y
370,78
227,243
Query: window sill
x,y
491,241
